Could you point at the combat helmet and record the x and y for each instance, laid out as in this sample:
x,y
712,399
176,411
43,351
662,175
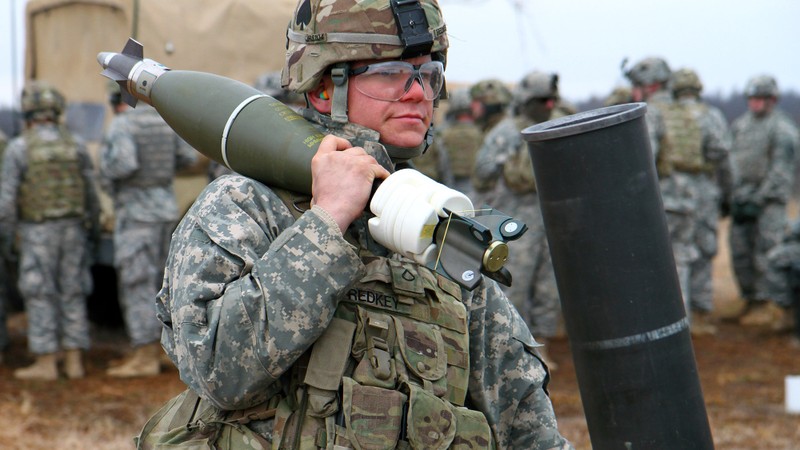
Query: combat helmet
x,y
761,86
536,85
685,80
648,71
41,101
270,84
325,35
458,101
491,92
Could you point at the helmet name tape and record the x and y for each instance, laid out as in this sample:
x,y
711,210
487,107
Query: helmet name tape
x,y
412,27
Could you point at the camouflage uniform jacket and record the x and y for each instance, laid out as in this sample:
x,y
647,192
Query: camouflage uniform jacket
x,y
762,157
121,166
15,167
249,288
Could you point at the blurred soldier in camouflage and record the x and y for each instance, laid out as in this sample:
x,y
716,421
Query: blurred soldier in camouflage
x,y
490,101
764,144
138,160
48,200
701,146
4,279
297,316
783,281
460,139
650,83
270,84
504,156
619,96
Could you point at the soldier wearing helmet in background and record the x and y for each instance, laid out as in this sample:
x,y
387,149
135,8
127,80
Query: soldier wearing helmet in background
x,y
270,84
650,83
49,204
459,138
701,146
4,278
504,156
765,141
490,101
293,326
139,158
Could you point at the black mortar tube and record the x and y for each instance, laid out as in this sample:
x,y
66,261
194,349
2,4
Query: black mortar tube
x,y
616,276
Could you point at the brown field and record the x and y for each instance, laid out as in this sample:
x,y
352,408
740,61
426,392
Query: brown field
x,y
742,374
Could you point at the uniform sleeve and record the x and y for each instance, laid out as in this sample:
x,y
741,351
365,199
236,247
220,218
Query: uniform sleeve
x,y
92,199
10,180
118,153
246,291
490,158
507,380
783,144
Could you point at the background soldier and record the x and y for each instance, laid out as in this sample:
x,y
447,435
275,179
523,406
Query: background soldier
x,y
4,278
138,161
460,139
490,101
701,146
783,281
504,155
48,197
764,144
650,79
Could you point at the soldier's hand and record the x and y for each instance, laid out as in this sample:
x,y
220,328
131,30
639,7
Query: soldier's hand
x,y
342,178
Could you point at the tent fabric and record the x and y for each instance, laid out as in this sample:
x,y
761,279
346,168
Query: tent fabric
x,y
240,39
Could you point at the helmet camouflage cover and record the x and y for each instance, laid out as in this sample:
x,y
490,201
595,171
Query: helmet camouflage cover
x,y
761,86
685,79
491,92
41,100
458,101
536,85
325,32
649,71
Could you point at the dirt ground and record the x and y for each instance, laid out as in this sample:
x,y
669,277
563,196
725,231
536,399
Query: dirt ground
x,y
742,374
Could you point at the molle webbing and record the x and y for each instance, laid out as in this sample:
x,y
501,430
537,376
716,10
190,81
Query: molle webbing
x,y
53,186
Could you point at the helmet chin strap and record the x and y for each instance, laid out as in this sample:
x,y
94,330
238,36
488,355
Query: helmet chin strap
x,y
339,75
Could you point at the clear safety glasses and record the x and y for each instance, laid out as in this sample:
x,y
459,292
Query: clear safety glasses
x,y
389,81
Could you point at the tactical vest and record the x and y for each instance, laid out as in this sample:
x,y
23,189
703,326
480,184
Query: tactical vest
x,y
518,168
53,186
156,144
685,137
403,376
462,141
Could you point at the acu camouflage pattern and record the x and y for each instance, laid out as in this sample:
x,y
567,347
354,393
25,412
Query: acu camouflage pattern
x,y
4,277
762,160
710,187
505,155
252,284
138,160
783,276
54,276
316,39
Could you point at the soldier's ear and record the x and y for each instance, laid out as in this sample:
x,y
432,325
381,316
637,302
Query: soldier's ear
x,y
320,97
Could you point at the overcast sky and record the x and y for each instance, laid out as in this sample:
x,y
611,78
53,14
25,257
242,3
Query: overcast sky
x,y
584,41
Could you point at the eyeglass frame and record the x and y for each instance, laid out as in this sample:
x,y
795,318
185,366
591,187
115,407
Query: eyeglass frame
x,y
416,74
